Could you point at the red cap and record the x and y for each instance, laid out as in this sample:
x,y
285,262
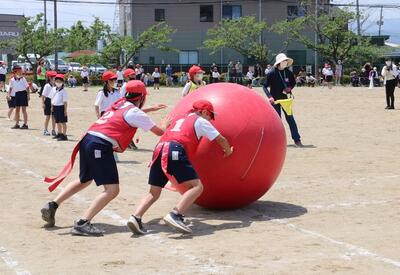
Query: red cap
x,y
201,105
60,76
108,75
16,68
135,87
51,73
195,70
129,72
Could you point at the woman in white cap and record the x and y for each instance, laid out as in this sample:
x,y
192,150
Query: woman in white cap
x,y
278,85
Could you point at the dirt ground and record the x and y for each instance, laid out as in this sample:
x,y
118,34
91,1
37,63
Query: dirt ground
x,y
334,209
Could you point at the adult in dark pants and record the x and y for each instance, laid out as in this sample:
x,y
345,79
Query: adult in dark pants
x,y
390,74
41,75
278,85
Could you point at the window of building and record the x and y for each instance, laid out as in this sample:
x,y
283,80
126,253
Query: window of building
x,y
159,15
206,13
231,11
188,57
152,60
294,12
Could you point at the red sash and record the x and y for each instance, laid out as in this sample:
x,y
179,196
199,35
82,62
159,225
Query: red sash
x,y
163,148
64,172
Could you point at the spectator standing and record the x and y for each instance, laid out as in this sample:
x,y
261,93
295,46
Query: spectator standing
x,y
85,78
328,75
338,72
3,73
41,75
168,73
390,74
215,75
231,71
239,72
278,85
156,79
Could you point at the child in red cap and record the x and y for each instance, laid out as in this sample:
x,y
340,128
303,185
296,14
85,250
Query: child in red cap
x,y
196,75
172,161
46,103
19,87
110,133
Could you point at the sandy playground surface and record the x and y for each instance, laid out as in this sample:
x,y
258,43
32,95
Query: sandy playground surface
x,y
334,209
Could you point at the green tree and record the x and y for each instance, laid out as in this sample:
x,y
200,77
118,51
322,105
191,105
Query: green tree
x,y
335,40
242,35
34,40
117,46
79,37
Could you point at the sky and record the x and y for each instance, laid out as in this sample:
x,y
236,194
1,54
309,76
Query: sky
x,y
70,13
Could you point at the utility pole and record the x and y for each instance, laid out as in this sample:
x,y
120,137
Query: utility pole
x,y
222,50
45,16
358,17
316,41
259,18
380,23
55,31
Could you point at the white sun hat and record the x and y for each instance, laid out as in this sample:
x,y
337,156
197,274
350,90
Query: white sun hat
x,y
282,57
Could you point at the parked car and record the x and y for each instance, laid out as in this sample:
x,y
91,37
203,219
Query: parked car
x,y
62,66
74,67
97,68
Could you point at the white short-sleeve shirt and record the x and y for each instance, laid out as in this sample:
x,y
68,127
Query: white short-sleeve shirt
x,y
120,75
47,90
104,102
122,91
84,73
18,85
59,97
156,75
3,70
139,119
204,128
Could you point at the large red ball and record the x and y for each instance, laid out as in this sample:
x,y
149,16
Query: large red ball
x,y
255,131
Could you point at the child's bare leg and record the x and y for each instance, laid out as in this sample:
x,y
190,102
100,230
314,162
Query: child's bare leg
x,y
46,122
25,115
59,128
17,111
190,196
10,112
71,189
53,123
146,202
109,193
64,128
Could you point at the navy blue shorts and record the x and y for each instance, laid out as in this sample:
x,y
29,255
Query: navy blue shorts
x,y
179,166
11,102
47,106
21,99
59,115
96,161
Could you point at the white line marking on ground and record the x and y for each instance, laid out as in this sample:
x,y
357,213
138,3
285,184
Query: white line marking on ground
x,y
352,249
208,265
348,204
11,263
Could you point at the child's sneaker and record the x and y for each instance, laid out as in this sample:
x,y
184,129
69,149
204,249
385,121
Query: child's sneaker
x,y
62,137
53,133
46,133
24,126
177,221
16,126
57,136
136,226
48,213
86,229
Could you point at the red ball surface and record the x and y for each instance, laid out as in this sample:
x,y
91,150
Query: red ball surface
x,y
255,131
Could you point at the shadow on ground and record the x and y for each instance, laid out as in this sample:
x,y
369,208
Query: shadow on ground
x,y
259,211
